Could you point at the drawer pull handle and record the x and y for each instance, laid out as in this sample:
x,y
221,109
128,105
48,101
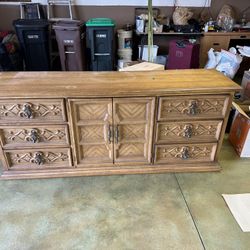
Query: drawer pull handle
x,y
33,136
185,153
38,158
188,131
216,44
193,108
27,111
110,134
117,135
243,36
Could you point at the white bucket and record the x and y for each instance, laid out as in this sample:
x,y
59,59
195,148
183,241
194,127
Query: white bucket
x,y
124,39
125,54
145,52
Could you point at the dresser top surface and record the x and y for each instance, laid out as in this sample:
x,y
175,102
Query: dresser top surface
x,y
84,84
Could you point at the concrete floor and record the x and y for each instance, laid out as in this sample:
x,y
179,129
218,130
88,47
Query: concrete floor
x,y
130,212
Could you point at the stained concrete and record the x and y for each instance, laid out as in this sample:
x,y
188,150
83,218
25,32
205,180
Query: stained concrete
x,y
115,212
149,212
202,191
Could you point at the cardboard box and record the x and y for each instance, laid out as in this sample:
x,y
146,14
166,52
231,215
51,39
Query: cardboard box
x,y
245,84
239,135
144,66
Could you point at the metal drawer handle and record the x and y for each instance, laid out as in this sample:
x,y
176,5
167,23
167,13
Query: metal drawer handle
x,y
110,134
193,108
216,44
38,158
27,111
188,131
117,134
33,136
185,153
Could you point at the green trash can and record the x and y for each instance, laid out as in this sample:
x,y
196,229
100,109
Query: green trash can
x,y
100,44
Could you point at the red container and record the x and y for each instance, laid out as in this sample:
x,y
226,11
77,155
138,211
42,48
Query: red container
x,y
183,55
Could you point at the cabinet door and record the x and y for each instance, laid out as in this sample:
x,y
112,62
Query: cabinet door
x,y
133,123
91,120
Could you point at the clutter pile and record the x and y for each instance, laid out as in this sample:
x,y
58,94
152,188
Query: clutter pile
x,y
227,62
10,57
226,18
181,16
141,23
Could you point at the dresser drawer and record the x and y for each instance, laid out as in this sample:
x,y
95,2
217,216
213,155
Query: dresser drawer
x,y
190,107
28,110
193,131
38,158
34,136
189,153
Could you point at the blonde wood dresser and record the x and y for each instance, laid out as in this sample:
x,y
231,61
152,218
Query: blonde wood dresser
x,y
58,124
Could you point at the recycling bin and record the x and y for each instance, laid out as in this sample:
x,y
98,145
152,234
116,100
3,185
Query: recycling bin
x,y
100,44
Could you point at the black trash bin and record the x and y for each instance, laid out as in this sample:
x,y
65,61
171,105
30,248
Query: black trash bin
x,y
70,38
100,44
33,37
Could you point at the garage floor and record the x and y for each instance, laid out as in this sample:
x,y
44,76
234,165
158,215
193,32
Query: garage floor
x,y
132,212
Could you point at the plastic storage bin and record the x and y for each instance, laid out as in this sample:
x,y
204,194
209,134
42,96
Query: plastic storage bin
x,y
33,38
144,53
100,44
70,38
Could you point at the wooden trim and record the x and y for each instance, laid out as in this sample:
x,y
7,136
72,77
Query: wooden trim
x,y
225,33
223,129
147,169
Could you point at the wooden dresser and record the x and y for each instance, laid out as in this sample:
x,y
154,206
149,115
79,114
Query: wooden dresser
x,y
58,124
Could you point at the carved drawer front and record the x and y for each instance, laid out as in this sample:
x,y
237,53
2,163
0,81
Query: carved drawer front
x,y
22,110
39,158
195,131
190,107
189,153
34,136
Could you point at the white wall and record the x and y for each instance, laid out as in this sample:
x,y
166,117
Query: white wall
x,y
189,3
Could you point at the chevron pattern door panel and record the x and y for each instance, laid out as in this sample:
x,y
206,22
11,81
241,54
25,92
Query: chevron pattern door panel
x,y
133,126
130,111
92,131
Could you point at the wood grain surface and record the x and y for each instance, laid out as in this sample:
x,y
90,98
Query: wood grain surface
x,y
115,84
